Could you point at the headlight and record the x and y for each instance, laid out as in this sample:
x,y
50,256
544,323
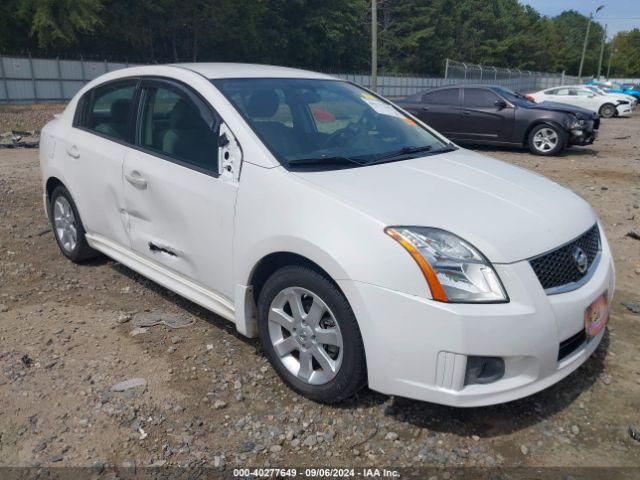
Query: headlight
x,y
575,122
454,269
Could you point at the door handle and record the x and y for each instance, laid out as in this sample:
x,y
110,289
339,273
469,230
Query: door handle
x,y
73,152
136,180
425,109
466,112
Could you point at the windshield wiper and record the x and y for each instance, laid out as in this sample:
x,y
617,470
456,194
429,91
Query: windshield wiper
x,y
400,154
320,161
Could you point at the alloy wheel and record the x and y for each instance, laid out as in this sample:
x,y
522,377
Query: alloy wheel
x,y
545,140
64,222
305,335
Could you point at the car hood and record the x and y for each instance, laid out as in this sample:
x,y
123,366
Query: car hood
x,y
507,212
560,107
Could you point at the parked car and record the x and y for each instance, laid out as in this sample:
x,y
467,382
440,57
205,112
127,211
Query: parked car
x,y
613,87
614,96
494,115
631,86
582,97
360,245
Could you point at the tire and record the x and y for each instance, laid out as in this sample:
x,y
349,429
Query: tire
x,y
608,110
64,221
296,340
546,140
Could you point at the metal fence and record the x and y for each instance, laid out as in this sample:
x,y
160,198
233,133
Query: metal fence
x,y
27,80
508,77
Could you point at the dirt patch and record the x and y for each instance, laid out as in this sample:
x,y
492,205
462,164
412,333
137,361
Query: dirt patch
x,y
210,398
27,117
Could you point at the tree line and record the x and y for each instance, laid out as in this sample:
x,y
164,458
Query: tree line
x,y
415,36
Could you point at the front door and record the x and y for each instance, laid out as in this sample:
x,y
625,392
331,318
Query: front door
x,y
180,209
482,119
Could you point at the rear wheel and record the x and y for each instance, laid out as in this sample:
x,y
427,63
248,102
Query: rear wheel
x,y
607,110
310,335
67,226
546,140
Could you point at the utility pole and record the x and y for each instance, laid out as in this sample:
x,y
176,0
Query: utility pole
x,y
604,40
374,45
610,57
586,40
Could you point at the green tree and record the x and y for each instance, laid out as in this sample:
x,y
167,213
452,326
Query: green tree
x,y
57,22
626,57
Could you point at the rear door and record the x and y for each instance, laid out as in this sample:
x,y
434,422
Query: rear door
x,y
181,209
440,109
94,154
482,120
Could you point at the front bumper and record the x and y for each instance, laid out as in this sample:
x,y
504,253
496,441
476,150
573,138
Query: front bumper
x,y
417,348
582,137
624,110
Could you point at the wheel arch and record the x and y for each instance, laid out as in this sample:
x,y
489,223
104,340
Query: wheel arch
x,y
542,121
246,295
51,184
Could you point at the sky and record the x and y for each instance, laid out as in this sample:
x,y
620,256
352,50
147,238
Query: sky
x,y
618,15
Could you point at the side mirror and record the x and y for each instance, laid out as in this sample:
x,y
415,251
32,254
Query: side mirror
x,y
500,104
223,140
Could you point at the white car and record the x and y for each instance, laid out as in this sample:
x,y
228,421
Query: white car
x,y
580,96
361,246
633,101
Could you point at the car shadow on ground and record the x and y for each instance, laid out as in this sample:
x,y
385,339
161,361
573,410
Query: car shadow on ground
x,y
187,305
484,422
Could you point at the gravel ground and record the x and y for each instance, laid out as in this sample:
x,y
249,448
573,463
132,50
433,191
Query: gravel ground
x,y
210,398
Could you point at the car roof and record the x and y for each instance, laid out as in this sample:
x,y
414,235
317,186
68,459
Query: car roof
x,y
249,70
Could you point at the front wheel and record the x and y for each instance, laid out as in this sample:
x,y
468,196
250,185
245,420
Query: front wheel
x,y
546,140
310,335
607,110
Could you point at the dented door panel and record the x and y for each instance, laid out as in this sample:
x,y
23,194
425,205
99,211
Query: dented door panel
x,y
182,218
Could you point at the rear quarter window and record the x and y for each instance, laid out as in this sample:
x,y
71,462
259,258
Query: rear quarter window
x,y
441,97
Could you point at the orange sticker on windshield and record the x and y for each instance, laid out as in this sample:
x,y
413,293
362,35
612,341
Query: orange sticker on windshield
x,y
409,121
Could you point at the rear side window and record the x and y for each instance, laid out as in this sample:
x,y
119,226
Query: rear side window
x,y
560,91
442,97
107,109
173,124
478,97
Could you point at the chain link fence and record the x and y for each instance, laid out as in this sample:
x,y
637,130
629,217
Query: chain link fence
x,y
28,80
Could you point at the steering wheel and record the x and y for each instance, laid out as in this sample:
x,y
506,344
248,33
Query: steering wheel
x,y
339,138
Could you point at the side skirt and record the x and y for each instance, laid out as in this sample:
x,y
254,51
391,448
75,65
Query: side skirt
x,y
174,281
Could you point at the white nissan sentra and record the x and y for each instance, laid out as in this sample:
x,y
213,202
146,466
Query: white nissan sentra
x,y
361,246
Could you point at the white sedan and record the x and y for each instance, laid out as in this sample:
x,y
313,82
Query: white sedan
x,y
633,101
361,246
581,96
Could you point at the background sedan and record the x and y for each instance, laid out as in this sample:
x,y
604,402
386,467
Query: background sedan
x,y
494,115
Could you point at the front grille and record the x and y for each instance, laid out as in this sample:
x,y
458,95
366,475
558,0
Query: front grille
x,y
558,267
571,344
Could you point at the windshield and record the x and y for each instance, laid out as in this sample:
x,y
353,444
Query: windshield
x,y
514,97
309,121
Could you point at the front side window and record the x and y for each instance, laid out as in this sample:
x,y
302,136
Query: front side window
x,y
107,109
173,125
478,97
317,120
